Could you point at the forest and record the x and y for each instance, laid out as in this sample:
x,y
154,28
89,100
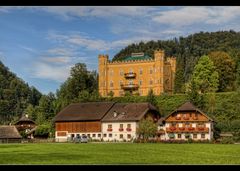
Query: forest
x,y
208,74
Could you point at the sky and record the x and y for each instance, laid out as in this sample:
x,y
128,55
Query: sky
x,y
41,44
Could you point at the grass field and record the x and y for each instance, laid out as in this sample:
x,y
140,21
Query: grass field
x,y
119,153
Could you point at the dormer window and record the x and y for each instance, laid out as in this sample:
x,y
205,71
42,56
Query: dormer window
x,y
115,114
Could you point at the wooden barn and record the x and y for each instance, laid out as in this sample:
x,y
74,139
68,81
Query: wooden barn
x,y
9,134
80,118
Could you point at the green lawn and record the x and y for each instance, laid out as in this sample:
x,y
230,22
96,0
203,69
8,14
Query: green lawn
x,y
119,153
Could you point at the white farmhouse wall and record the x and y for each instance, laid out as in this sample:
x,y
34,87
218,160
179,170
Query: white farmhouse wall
x,y
208,135
114,135
92,135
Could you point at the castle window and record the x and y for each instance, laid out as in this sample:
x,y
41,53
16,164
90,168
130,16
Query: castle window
x,y
150,82
111,83
151,71
111,73
121,72
140,82
120,83
141,71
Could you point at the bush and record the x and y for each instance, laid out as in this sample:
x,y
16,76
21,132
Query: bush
x,y
190,140
23,134
42,131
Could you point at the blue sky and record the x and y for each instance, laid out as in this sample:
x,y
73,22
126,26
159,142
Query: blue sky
x,y
41,44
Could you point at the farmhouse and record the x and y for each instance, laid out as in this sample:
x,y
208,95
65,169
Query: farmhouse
x,y
9,134
187,122
102,120
121,122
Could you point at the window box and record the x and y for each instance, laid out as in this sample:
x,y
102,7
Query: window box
x,y
181,128
172,128
191,128
120,129
200,128
109,129
129,129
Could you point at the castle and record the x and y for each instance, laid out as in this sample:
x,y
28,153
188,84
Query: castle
x,y
136,74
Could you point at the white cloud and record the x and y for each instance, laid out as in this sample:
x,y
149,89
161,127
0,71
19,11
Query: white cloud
x,y
6,9
87,42
194,15
27,48
95,44
61,59
52,72
98,11
182,16
61,51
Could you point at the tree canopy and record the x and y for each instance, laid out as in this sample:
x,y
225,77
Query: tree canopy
x,y
225,66
15,96
205,75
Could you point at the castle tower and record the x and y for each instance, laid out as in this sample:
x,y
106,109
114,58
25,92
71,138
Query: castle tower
x,y
102,69
159,65
172,62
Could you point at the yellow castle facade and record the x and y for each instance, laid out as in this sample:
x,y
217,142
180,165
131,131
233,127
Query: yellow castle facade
x,y
136,74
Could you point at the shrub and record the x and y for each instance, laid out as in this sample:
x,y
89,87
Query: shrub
x,y
23,134
42,131
227,140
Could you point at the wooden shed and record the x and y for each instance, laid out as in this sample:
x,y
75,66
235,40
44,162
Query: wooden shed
x,y
9,134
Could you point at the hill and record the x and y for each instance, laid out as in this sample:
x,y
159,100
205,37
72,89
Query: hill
x,y
15,95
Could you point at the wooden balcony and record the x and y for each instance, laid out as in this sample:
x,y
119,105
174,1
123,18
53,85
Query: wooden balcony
x,y
187,129
129,86
130,75
178,118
